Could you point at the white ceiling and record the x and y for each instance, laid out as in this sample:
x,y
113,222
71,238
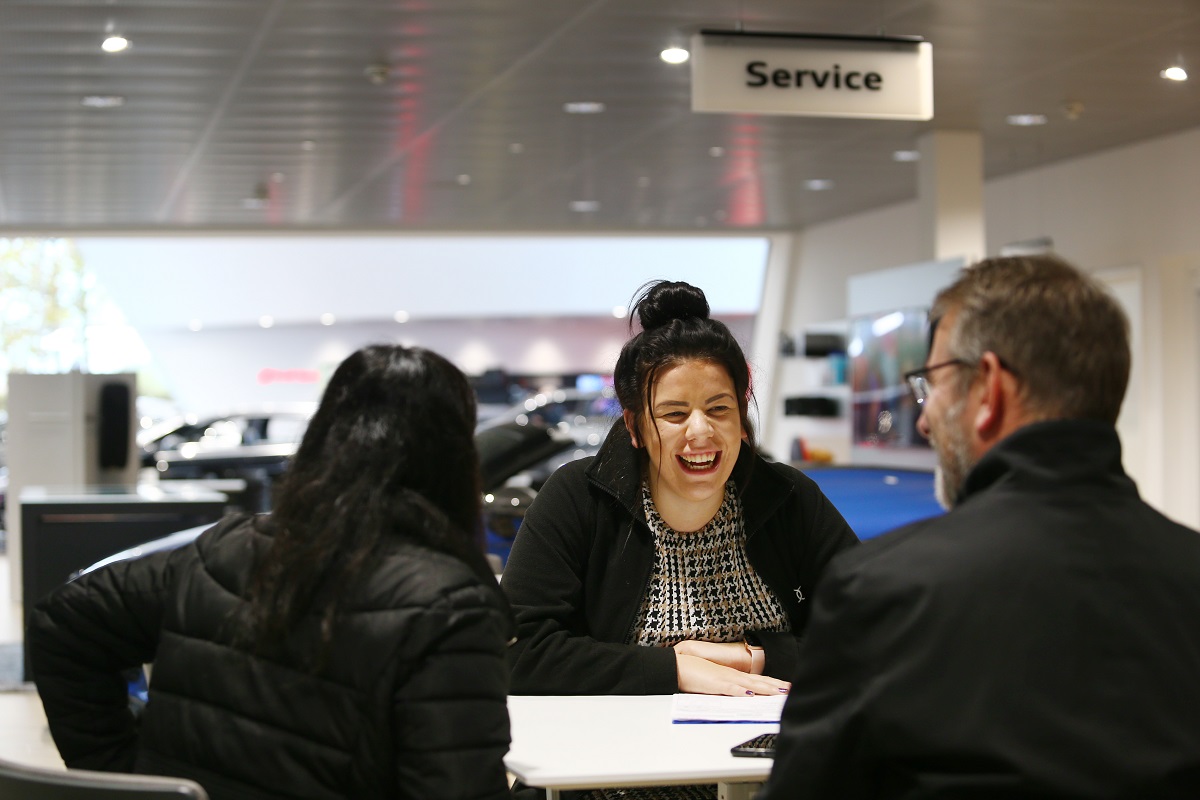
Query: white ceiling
x,y
267,100
258,116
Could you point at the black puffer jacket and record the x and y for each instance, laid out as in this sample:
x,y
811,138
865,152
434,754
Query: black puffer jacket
x,y
582,560
411,704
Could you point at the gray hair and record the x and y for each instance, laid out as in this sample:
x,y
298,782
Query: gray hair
x,y
1058,330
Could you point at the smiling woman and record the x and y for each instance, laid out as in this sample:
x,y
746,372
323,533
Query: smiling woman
x,y
677,559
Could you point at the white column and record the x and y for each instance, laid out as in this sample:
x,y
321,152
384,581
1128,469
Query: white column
x,y
950,194
768,324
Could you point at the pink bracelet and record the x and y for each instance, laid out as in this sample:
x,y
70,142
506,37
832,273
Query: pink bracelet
x,y
758,658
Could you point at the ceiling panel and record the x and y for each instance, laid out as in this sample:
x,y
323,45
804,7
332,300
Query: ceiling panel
x,y
446,115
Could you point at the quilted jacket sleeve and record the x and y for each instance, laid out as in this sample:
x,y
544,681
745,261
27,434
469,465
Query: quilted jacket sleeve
x,y
81,638
451,713
557,650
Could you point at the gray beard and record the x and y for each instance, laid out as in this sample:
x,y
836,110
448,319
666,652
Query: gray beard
x,y
954,458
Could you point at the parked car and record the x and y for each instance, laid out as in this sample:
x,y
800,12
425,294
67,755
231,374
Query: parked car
x,y
253,445
192,435
585,415
509,452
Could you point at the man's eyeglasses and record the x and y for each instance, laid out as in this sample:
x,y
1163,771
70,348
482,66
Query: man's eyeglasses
x,y
918,383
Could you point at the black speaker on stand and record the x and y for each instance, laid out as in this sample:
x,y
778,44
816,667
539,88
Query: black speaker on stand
x,y
113,425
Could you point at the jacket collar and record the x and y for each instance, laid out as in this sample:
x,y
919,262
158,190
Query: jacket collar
x,y
617,469
1054,452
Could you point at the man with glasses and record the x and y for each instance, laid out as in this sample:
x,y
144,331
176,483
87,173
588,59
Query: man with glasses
x,y
1042,638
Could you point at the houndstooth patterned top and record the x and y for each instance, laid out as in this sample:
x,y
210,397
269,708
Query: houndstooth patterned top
x,y
703,586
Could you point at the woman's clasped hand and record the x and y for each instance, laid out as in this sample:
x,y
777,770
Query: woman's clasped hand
x,y
721,668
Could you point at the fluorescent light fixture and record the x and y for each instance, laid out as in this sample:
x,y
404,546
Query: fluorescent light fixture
x,y
102,101
716,152
114,44
254,203
328,319
585,206
887,323
1025,120
266,321
1028,247
584,107
1175,73
818,184
906,155
674,55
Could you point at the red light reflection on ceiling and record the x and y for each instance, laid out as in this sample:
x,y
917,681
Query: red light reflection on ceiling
x,y
408,186
743,176
274,205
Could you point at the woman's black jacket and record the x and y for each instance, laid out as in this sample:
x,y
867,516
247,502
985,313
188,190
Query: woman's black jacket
x,y
581,563
411,702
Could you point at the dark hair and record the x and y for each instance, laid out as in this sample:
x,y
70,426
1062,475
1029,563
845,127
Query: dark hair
x,y
389,455
676,327
1058,329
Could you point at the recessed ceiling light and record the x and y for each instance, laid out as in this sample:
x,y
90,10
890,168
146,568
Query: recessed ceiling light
x,y
674,55
1175,73
516,148
585,206
906,155
195,325
818,184
266,321
716,152
114,44
463,180
1025,120
584,107
619,312
102,101
328,319
308,145
377,74
400,316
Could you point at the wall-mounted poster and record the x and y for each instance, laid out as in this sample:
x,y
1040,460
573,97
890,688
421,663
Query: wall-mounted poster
x,y
882,347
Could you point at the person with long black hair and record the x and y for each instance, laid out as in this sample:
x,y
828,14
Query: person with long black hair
x,y
677,559
349,644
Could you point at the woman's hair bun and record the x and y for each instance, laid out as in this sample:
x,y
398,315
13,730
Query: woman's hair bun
x,y
659,302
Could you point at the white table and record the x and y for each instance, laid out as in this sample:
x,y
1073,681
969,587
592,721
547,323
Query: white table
x,y
590,742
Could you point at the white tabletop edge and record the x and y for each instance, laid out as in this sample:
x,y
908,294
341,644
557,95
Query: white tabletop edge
x,y
578,742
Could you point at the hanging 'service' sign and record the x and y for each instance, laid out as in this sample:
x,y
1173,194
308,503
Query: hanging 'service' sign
x,y
812,75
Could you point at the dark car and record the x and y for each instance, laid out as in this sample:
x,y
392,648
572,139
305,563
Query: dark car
x,y
252,445
521,453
